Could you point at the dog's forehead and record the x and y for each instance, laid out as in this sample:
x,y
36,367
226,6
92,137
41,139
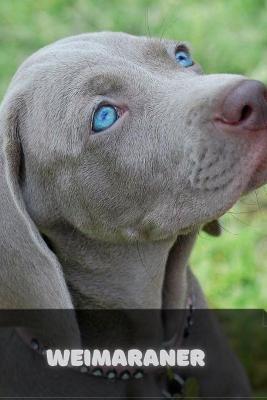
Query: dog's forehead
x,y
101,49
118,44
70,63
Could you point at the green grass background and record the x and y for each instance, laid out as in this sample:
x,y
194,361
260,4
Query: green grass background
x,y
226,36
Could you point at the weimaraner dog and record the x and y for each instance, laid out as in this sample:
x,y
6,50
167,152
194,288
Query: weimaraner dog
x,y
115,151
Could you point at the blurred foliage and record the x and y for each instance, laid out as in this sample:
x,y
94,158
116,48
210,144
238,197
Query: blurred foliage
x,y
247,336
233,267
226,36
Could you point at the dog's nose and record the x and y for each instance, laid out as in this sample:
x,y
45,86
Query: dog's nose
x,y
244,107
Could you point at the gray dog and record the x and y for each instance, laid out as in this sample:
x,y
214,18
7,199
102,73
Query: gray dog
x,y
115,151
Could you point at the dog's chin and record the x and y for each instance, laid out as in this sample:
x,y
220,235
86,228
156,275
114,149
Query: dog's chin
x,y
258,179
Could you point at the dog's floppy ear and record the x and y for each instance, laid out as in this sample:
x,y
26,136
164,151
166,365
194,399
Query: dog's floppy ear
x,y
30,274
212,228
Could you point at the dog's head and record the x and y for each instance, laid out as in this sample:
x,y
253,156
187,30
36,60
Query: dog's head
x,y
125,139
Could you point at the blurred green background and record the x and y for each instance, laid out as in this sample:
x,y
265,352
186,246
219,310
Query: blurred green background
x,y
226,36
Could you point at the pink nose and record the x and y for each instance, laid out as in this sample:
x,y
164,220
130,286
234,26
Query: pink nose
x,y
244,107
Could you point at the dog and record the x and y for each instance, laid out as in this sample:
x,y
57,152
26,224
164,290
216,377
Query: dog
x,y
115,151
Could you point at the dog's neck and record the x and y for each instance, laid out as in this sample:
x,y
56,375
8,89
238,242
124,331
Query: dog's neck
x,y
106,275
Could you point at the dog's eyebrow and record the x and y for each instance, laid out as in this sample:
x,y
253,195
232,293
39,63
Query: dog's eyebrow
x,y
103,83
184,45
155,48
160,49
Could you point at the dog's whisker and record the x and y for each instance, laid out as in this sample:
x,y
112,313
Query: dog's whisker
x,y
147,23
239,220
256,195
247,203
166,25
243,212
226,229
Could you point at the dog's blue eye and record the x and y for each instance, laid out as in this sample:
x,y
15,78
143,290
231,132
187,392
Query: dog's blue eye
x,y
183,58
104,117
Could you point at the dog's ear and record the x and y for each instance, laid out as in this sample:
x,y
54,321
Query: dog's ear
x,y
30,274
213,228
